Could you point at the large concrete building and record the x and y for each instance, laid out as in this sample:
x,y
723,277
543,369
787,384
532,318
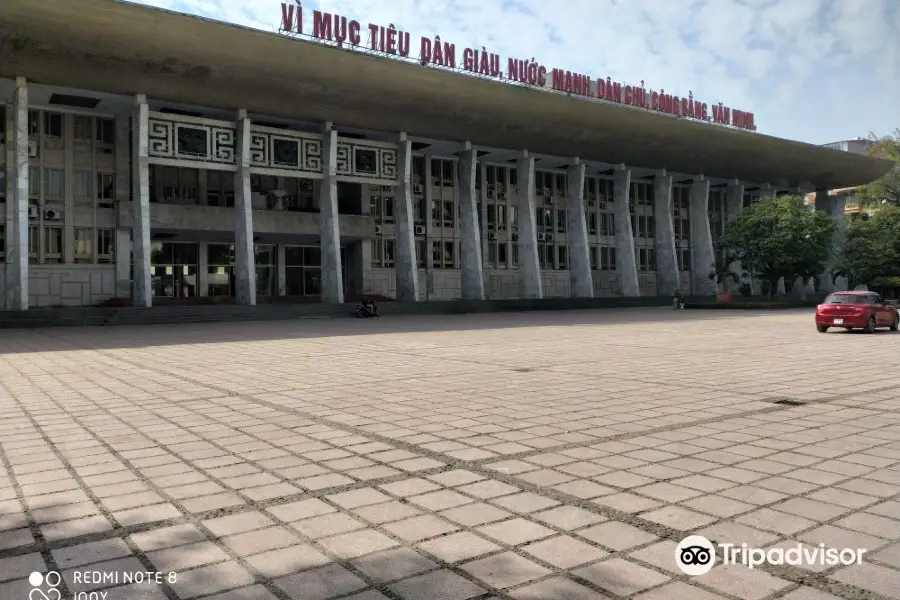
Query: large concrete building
x,y
153,155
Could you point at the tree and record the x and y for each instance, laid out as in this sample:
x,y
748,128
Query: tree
x,y
870,248
780,237
887,189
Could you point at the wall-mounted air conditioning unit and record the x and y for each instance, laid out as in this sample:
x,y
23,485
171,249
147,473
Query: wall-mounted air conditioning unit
x,y
591,203
631,208
677,212
52,215
33,149
542,237
420,230
387,188
500,187
603,205
549,237
515,237
33,212
492,235
378,230
501,195
418,189
548,200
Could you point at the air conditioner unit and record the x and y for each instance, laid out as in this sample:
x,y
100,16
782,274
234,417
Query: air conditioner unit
x,y
591,203
501,195
378,230
387,188
492,235
490,193
631,208
542,237
677,212
549,237
418,189
306,185
52,215
548,200
499,187
32,149
33,212
603,205
420,230
515,237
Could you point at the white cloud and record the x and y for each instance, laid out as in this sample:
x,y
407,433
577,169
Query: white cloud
x,y
814,70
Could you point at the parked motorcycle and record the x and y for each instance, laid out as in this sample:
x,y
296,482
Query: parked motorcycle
x,y
367,309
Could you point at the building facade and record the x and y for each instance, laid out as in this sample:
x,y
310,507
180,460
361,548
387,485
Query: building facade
x,y
152,196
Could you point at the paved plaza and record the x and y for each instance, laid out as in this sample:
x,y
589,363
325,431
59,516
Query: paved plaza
x,y
527,456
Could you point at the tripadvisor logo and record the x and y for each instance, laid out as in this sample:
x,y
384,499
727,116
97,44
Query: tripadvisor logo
x,y
695,555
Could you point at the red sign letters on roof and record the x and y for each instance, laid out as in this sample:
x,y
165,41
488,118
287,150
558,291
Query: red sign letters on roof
x,y
344,32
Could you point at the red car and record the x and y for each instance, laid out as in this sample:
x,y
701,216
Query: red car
x,y
856,310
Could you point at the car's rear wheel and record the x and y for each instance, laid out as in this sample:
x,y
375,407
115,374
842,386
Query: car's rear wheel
x,y
822,328
870,325
895,324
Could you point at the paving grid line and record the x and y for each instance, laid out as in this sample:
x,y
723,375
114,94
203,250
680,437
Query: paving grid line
x,y
393,442
791,574
196,521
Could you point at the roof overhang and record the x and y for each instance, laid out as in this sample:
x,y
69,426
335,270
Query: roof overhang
x,y
124,48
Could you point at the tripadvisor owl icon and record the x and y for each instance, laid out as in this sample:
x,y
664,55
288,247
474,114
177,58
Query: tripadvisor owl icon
x,y
695,555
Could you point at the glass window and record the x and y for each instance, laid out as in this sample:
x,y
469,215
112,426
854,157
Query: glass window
x,y
264,254
2,240
34,121
562,257
2,183
53,124
222,255
502,254
34,182
82,128
82,183
312,256
106,131
185,253
388,253
449,258
84,244
106,189
106,245
53,244
53,183
420,254
34,242
293,256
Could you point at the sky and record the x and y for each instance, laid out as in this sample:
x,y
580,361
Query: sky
x,y
818,71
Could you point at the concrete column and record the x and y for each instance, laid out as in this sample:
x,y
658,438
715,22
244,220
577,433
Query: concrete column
x,y
404,237
529,265
581,279
428,182
487,268
833,206
364,257
282,269
203,269
68,135
244,255
329,223
123,263
702,253
667,279
142,295
780,289
734,205
122,194
626,265
470,259
17,201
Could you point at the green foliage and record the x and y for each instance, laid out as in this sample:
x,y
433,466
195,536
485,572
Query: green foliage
x,y
870,249
887,189
780,237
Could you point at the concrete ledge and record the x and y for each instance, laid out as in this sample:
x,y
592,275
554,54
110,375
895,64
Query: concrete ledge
x,y
85,317
754,305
